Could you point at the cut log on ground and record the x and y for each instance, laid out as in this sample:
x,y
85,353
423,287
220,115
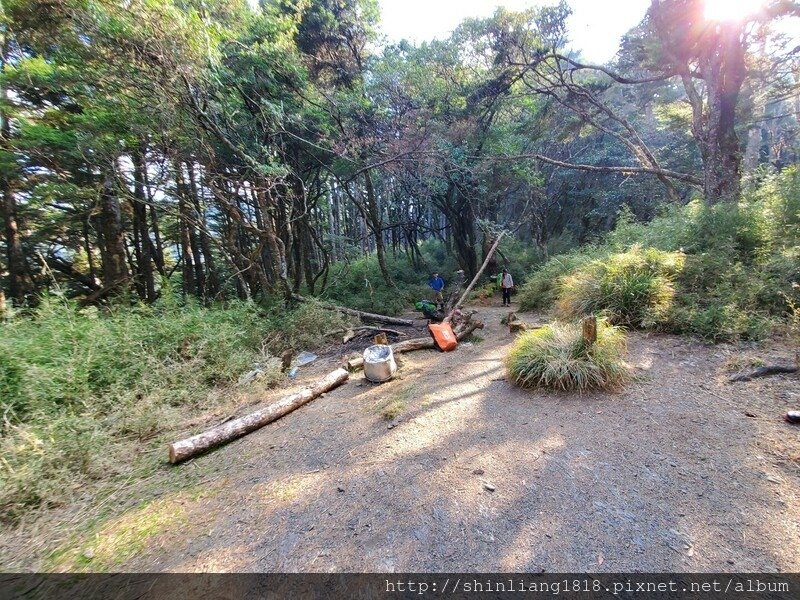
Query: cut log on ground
x,y
422,343
516,326
180,451
364,316
763,372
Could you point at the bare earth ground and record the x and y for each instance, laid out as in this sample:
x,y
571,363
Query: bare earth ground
x,y
668,475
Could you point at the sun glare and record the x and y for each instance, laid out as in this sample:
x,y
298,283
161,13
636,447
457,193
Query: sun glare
x,y
730,10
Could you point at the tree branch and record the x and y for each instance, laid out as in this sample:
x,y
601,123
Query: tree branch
x,y
603,169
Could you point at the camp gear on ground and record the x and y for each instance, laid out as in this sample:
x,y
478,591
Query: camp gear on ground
x,y
379,364
443,336
430,310
304,358
424,305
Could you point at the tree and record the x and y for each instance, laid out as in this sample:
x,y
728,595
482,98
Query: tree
x,y
710,58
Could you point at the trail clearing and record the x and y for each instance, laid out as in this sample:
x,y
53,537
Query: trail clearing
x,y
450,468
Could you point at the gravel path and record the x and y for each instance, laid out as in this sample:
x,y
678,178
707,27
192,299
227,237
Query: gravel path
x,y
474,474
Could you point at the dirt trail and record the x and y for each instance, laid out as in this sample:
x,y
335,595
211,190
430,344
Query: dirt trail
x,y
668,475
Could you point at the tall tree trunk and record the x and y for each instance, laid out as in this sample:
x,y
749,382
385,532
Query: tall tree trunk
x,y
461,218
276,249
87,246
212,277
156,247
20,283
375,222
144,255
115,269
715,54
184,224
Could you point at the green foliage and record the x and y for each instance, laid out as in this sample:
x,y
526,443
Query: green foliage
x,y
541,289
633,288
75,385
556,357
359,284
305,326
717,272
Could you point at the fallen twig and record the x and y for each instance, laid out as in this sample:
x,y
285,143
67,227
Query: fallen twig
x,y
762,372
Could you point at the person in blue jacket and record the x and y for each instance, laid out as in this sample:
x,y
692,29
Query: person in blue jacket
x,y
437,285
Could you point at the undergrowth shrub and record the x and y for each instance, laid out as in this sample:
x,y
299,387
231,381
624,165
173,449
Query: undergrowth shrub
x,y
484,294
632,288
78,387
358,283
556,357
740,263
305,326
541,289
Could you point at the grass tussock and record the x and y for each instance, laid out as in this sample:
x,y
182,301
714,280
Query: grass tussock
x,y
555,357
633,288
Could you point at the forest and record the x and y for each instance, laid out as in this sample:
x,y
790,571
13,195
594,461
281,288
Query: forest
x,y
190,187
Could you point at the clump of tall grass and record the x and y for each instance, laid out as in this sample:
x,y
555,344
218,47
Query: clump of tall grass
x,y
541,289
633,288
556,357
305,326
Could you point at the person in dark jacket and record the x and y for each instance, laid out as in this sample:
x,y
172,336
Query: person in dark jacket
x,y
506,284
437,285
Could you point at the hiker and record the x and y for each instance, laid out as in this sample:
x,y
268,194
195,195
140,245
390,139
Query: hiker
x,y
506,283
437,284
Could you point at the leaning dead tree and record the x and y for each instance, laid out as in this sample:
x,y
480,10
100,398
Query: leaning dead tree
x,y
475,279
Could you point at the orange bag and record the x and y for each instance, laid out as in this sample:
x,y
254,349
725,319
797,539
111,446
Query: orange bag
x,y
443,336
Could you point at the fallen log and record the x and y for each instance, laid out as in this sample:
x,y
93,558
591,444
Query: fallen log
x,y
763,372
364,316
183,449
350,332
421,343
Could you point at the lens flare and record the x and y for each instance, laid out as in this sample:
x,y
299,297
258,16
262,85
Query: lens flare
x,y
730,10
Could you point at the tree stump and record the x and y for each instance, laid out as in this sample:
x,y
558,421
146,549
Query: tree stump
x,y
286,360
590,330
517,326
